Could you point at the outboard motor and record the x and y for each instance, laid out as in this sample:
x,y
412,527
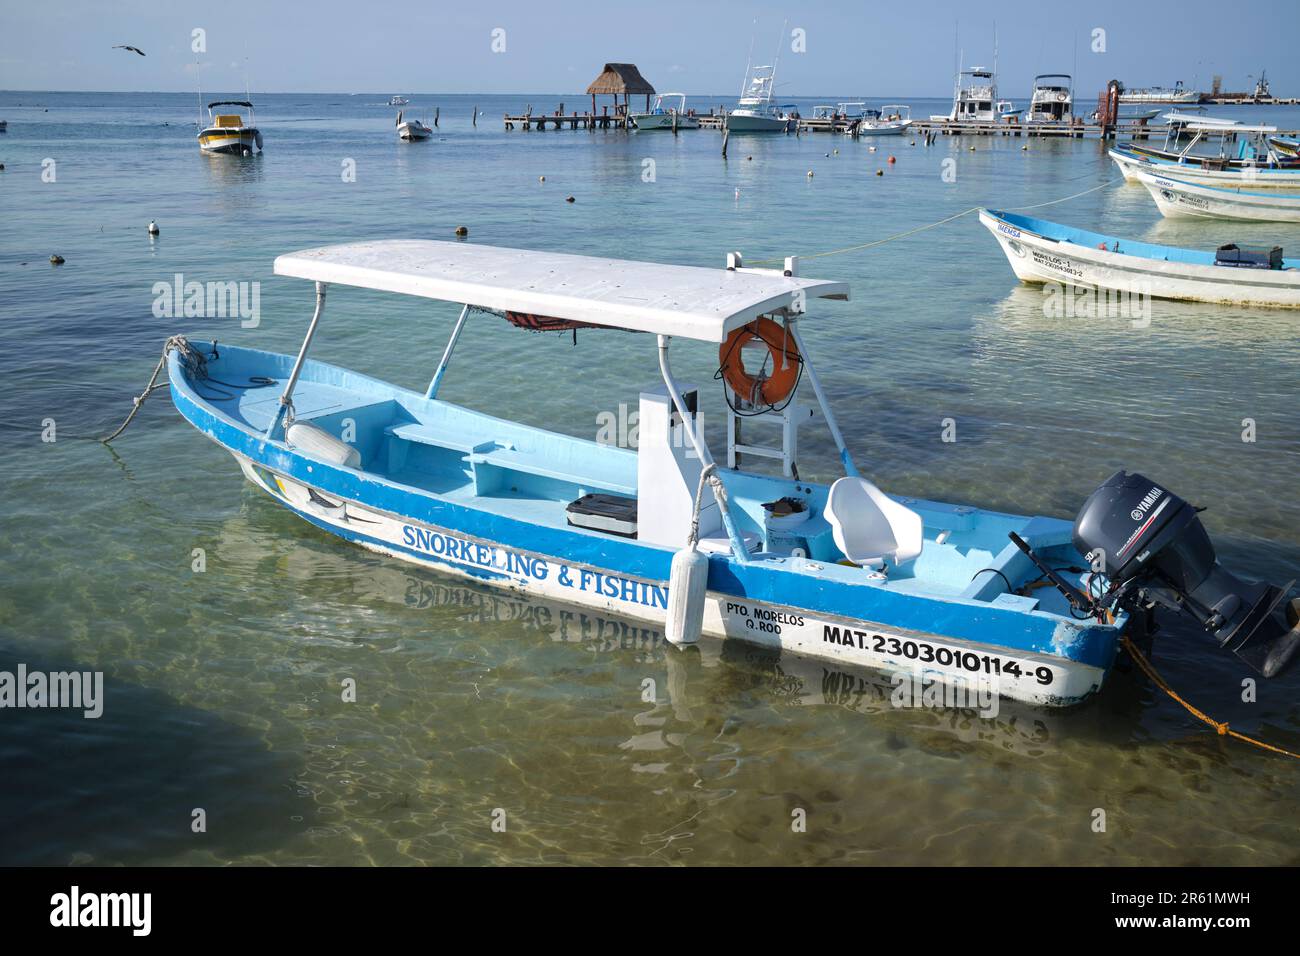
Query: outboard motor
x,y
1155,552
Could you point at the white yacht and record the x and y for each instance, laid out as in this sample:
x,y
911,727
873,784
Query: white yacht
x,y
1052,100
398,101
755,112
975,99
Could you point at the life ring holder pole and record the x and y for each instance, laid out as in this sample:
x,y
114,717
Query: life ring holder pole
x,y
850,469
702,450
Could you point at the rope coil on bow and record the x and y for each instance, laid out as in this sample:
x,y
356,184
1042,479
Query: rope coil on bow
x,y
195,362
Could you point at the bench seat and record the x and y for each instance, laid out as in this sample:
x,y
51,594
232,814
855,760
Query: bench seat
x,y
592,475
489,460
428,435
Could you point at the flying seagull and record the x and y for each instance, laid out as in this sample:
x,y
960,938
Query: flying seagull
x,y
133,49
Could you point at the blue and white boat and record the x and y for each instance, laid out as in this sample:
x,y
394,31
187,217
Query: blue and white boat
x,y
844,572
1177,199
1048,252
1253,163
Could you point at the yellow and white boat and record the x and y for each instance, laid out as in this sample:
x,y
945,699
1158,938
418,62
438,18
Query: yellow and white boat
x,y
227,132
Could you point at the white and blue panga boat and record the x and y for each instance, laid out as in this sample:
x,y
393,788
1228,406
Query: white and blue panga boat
x,y
1177,199
662,533
1254,163
1048,252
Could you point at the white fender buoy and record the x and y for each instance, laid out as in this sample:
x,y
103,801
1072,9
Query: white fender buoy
x,y
687,582
153,228
317,441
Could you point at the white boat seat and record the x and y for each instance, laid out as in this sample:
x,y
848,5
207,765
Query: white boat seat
x,y
870,527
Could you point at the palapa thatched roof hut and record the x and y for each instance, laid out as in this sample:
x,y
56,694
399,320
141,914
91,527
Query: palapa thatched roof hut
x,y
619,78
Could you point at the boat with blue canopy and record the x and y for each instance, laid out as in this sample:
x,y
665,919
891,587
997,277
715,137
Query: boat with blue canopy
x,y
1041,251
740,547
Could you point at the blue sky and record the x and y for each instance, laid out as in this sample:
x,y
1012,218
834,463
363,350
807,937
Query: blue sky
x,y
852,48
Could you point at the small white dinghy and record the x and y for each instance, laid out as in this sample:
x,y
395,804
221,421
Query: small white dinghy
x,y
1177,199
1041,251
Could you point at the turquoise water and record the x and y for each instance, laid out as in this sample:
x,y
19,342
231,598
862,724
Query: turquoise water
x,y
223,688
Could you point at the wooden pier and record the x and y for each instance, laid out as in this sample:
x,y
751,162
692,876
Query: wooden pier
x,y
562,120
716,118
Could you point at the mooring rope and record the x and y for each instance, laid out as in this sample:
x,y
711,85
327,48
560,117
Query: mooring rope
x,y
930,225
708,475
1220,726
1053,202
195,362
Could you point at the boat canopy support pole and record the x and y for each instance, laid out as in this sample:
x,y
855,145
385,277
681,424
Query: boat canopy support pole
x,y
286,400
850,469
432,390
706,459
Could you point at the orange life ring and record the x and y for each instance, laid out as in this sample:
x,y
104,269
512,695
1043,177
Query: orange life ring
x,y
786,360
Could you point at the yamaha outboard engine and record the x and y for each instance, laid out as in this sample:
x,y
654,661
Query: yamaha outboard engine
x,y
1155,552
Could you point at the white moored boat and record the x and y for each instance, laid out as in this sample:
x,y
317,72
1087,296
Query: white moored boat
x,y
975,99
755,112
1040,251
1264,175
1052,100
666,117
661,533
228,133
892,119
1161,94
1178,199
1253,164
412,130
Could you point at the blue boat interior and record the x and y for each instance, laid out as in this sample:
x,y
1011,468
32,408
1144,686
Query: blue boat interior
x,y
460,455
1057,232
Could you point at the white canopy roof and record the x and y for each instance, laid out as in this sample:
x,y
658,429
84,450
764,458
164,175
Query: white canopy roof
x,y
688,301
1204,127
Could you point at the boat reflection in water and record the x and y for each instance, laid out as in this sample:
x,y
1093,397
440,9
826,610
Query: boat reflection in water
x,y
702,687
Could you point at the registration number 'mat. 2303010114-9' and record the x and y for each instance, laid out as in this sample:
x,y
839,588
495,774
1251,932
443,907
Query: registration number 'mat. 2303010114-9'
x,y
924,652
